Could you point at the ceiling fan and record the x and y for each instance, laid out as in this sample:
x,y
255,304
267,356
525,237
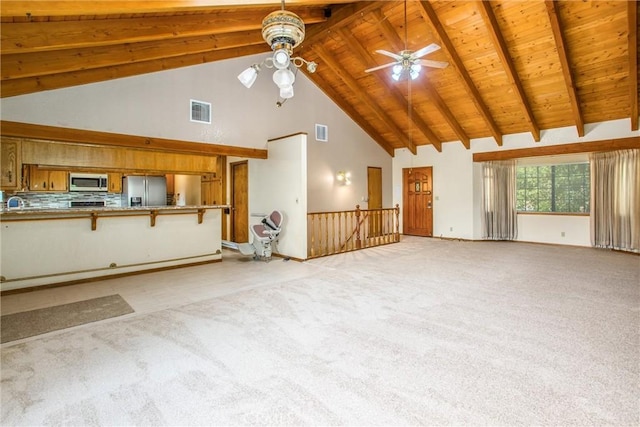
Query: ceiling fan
x,y
408,62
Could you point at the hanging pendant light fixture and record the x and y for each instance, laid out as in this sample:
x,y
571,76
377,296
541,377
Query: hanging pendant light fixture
x,y
283,31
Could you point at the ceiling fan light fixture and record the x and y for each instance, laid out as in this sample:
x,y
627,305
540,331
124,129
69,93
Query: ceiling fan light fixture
x,y
284,78
248,77
283,28
286,92
281,59
283,31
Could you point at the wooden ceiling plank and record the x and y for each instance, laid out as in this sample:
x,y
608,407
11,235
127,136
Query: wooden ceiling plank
x,y
392,36
45,63
340,17
469,85
367,100
558,36
632,12
45,36
83,136
351,112
37,8
16,87
503,52
367,60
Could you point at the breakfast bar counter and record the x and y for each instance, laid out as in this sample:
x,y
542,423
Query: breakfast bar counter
x,y
53,246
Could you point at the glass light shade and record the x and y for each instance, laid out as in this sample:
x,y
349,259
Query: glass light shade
x,y
248,76
286,92
397,69
283,78
414,72
281,59
395,76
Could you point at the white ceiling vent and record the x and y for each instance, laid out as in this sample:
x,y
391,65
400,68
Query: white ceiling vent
x,y
200,111
322,133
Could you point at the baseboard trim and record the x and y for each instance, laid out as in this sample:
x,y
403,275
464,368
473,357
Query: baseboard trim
x,y
104,277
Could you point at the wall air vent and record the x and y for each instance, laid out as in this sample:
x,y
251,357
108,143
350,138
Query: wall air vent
x,y
200,111
322,133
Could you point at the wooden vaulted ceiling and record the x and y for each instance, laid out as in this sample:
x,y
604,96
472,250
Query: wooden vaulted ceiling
x,y
515,66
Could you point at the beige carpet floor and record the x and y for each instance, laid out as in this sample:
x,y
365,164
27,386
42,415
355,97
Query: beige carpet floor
x,y
425,332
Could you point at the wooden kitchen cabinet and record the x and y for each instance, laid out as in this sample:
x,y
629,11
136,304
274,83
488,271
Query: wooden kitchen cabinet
x,y
211,192
114,181
10,164
48,180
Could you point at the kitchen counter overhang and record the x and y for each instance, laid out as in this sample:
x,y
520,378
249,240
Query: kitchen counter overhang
x,y
54,246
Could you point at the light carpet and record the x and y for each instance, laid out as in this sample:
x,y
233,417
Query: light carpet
x,y
424,332
36,322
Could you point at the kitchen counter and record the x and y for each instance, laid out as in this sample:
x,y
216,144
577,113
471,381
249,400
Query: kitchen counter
x,y
6,213
52,246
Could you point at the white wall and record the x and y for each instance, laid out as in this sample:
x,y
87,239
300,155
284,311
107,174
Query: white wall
x,y
349,149
280,183
457,184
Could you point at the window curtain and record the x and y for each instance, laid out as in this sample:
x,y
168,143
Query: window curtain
x,y
615,200
499,200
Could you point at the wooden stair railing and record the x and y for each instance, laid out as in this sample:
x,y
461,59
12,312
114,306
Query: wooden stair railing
x,y
336,232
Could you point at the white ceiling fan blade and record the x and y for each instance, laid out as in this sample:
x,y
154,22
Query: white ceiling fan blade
x,y
430,63
380,67
425,50
390,54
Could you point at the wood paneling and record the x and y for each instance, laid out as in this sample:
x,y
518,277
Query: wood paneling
x,y
79,156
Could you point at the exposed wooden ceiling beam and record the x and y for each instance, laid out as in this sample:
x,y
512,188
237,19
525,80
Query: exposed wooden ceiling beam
x,y
473,92
392,36
367,60
37,8
560,149
503,52
45,36
340,17
23,86
56,62
367,100
351,112
632,30
558,36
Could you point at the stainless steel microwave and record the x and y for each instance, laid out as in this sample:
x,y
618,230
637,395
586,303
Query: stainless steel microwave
x,y
88,182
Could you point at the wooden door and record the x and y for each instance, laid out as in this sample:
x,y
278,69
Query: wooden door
x,y
417,201
239,202
374,194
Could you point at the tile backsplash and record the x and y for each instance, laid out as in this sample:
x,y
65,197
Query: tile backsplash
x,y
43,200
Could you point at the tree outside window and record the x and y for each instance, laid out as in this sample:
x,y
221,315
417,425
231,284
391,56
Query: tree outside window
x,y
553,188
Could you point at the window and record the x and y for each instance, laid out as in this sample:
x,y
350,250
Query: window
x,y
553,188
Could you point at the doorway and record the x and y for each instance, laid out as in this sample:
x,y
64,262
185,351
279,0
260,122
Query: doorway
x,y
240,202
374,195
417,201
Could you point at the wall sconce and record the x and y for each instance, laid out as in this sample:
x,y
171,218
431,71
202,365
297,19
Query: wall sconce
x,y
344,177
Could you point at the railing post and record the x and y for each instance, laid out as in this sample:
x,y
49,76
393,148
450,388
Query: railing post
x,y
358,241
397,233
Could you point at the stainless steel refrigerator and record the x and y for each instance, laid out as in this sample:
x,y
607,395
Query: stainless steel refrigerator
x,y
144,191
